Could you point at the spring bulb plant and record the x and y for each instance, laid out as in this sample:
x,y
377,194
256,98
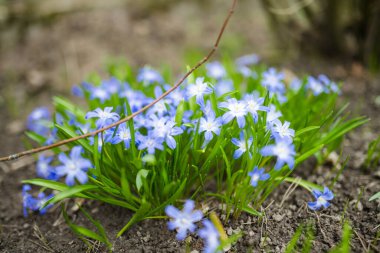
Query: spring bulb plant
x,y
235,131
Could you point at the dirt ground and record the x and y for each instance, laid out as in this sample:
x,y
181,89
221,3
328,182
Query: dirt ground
x,y
49,58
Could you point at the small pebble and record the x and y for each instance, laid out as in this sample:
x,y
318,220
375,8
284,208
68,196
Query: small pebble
x,y
360,206
278,217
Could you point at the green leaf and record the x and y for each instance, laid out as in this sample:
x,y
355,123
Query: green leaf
x,y
305,184
82,231
71,192
174,197
142,174
70,133
36,137
180,112
47,183
125,189
252,211
308,153
306,129
293,242
98,226
139,215
376,196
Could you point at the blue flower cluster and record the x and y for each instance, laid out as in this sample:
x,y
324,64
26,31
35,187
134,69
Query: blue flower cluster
x,y
184,222
207,107
34,204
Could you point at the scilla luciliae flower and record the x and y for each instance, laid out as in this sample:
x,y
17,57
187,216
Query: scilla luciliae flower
x,y
322,199
183,221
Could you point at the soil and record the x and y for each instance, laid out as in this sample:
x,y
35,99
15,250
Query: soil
x,y
32,82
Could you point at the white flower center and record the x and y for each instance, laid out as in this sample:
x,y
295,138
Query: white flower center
x,y
199,89
184,222
282,151
237,109
71,166
283,131
255,177
103,115
252,105
125,135
321,200
243,145
43,167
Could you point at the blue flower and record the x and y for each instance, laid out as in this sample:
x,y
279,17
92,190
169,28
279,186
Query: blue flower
x,y
282,130
99,92
258,175
165,128
323,199
147,75
136,99
106,117
211,236
34,204
316,86
41,200
150,142
160,107
209,124
183,221
74,167
51,136
76,90
236,109
255,104
38,121
223,86
122,135
272,116
245,71
284,150
28,201
296,84
329,84
247,60
45,170
198,90
243,145
215,70
112,85
273,81
83,128
176,96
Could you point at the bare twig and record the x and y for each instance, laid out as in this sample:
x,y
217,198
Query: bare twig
x,y
63,142
360,239
290,190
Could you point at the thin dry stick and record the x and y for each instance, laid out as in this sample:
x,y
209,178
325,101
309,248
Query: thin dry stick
x,y
63,142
